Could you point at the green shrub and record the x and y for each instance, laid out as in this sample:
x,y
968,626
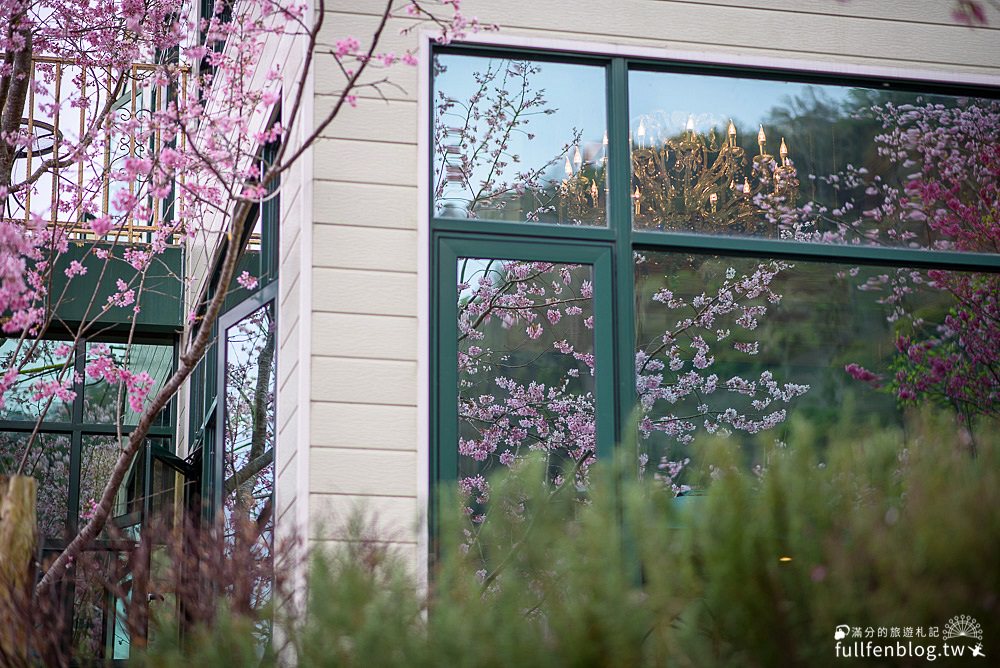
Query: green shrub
x,y
758,571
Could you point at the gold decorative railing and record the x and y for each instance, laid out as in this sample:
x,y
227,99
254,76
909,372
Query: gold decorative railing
x,y
72,105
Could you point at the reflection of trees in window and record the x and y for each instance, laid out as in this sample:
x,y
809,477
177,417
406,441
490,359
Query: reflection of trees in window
x,y
36,365
504,149
98,455
49,463
71,445
248,457
526,371
699,363
92,605
927,179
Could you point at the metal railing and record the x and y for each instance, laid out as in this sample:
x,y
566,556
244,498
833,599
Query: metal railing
x,y
66,102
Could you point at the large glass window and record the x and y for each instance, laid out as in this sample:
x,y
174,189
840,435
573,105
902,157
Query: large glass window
x,y
790,253
70,443
77,440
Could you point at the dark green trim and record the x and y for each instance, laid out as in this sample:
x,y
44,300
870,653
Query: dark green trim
x,y
620,210
76,447
87,429
83,297
449,248
797,250
538,230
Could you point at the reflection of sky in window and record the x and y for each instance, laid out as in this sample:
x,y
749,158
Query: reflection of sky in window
x,y
665,100
670,99
471,272
576,93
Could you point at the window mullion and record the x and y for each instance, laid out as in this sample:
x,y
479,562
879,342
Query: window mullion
x,y
620,215
76,439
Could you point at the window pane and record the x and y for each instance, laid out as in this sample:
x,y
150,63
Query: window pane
x,y
519,141
132,493
93,605
820,163
248,466
103,402
44,371
525,371
248,455
755,348
97,460
163,481
49,462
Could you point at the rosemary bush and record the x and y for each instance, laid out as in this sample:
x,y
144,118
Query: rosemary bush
x,y
757,571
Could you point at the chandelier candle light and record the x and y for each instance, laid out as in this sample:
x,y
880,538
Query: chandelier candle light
x,y
580,196
695,183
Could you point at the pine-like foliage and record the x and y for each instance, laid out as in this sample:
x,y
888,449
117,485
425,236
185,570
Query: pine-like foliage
x,y
758,571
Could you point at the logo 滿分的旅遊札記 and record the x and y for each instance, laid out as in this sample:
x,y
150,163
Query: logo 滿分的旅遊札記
x,y
961,636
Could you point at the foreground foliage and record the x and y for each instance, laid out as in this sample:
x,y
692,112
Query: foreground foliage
x,y
877,535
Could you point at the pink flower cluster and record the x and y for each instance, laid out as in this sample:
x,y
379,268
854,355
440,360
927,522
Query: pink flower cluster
x,y
676,373
954,191
101,365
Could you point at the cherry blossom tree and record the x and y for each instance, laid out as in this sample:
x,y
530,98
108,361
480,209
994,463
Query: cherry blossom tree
x,y
944,197
180,167
952,192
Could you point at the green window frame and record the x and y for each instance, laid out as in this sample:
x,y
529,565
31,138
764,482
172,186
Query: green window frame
x,y
610,249
78,428
147,493
260,244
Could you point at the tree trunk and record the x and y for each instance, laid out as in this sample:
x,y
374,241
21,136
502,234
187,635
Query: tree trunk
x,y
14,89
17,552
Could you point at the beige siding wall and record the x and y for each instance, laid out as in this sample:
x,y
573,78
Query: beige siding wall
x,y
294,235
364,319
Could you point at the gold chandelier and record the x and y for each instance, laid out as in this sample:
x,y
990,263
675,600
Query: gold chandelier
x,y
583,192
693,183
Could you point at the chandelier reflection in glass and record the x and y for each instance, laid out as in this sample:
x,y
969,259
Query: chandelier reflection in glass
x,y
583,192
691,182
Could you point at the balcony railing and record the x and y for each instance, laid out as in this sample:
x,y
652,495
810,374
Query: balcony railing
x,y
64,103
